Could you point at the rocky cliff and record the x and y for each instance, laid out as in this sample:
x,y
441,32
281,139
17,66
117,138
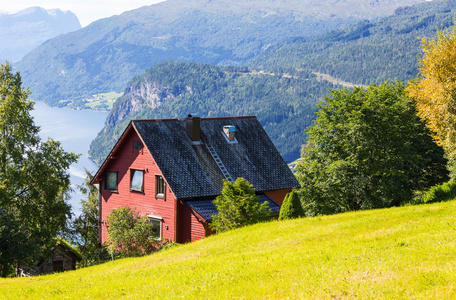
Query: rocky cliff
x,y
138,97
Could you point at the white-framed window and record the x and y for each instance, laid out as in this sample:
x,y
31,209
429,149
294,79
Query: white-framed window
x,y
156,227
136,180
110,181
159,187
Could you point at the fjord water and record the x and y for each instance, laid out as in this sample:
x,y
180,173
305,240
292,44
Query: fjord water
x,y
75,130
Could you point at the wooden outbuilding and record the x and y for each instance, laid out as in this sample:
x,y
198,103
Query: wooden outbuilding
x,y
62,258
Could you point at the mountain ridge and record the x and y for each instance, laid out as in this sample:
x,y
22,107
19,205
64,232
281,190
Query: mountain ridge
x,y
25,30
369,51
105,55
285,97
283,103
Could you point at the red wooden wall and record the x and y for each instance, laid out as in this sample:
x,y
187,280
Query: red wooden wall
x,y
278,196
180,223
146,202
190,225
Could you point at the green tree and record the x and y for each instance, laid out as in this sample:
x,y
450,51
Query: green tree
x,y
130,234
33,174
291,207
85,228
238,206
367,149
15,244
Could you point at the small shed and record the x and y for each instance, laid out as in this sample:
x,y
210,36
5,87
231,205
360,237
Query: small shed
x,y
62,258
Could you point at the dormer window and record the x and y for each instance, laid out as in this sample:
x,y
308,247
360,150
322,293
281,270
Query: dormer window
x,y
137,145
136,180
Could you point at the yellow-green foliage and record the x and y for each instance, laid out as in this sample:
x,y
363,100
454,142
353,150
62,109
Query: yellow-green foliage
x,y
435,90
397,253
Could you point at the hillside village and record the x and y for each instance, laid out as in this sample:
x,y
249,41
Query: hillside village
x,y
318,166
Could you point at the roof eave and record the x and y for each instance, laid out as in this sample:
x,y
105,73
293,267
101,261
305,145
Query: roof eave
x,y
96,178
197,215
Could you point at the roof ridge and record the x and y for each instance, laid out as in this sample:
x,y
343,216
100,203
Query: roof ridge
x,y
155,120
224,118
181,119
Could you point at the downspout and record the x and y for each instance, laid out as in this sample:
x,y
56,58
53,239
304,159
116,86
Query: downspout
x,y
100,223
176,225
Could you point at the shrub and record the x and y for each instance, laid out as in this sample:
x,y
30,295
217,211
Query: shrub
x,y
442,192
130,234
238,206
291,207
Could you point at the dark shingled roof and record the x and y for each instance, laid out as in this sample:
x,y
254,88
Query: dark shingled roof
x,y
191,171
206,209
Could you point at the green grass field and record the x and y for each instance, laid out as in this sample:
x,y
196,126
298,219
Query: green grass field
x,y
99,102
103,101
398,253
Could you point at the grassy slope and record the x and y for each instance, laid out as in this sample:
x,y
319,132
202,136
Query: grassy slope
x,y
405,253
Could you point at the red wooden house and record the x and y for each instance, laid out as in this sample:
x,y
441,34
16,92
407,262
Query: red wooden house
x,y
172,169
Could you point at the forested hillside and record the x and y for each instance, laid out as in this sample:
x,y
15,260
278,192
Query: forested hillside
x,y
369,51
284,105
104,56
285,102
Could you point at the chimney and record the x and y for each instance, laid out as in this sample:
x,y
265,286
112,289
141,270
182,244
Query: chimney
x,y
192,126
229,130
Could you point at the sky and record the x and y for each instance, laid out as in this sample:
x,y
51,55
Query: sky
x,y
87,11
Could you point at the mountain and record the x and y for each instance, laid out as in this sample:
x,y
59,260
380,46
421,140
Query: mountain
x,y
285,97
369,51
284,103
105,55
23,31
